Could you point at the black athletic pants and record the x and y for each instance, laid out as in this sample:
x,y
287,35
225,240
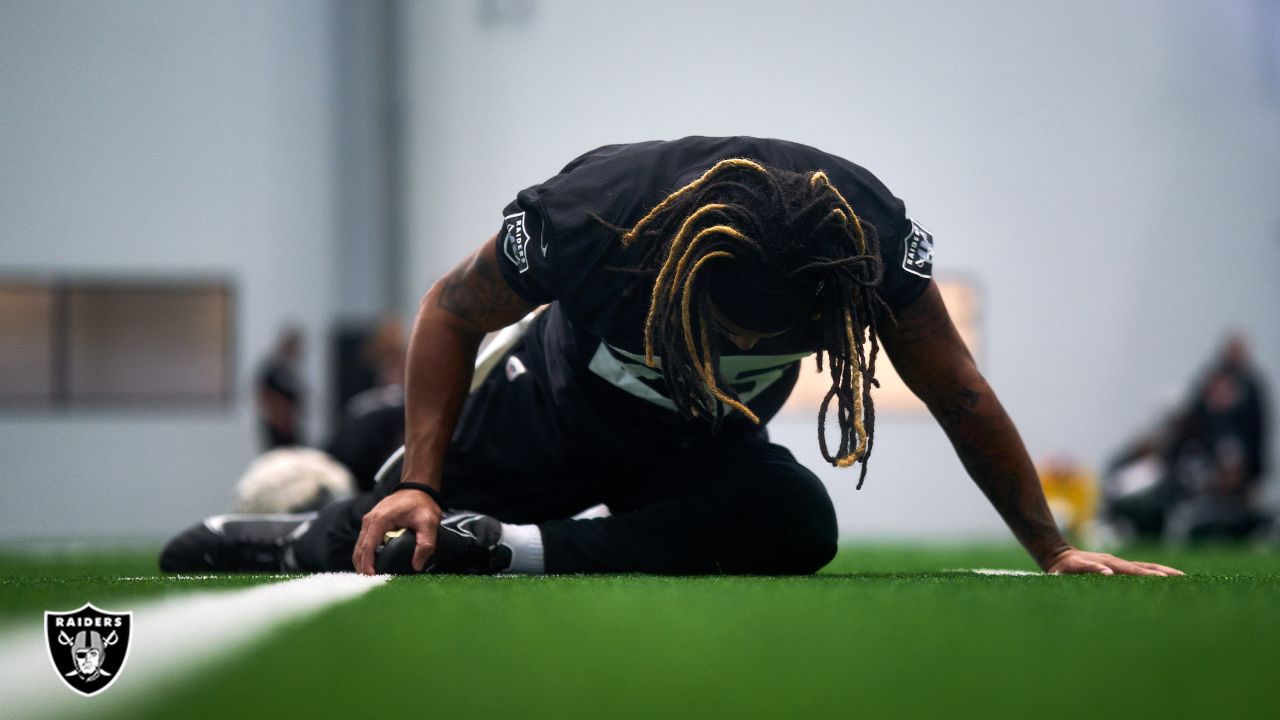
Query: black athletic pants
x,y
736,504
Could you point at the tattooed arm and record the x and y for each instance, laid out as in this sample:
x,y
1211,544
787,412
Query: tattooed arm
x,y
473,299
932,359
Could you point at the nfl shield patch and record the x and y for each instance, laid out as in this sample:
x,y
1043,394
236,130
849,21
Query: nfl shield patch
x,y
917,252
88,646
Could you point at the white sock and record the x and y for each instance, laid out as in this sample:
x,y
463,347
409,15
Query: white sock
x,y
525,542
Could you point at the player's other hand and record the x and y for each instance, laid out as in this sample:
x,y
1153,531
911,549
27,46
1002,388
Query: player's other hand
x,y
1076,562
407,509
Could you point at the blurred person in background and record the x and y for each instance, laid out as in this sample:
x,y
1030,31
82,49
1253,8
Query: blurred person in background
x,y
371,426
683,282
1228,420
1148,478
384,353
1198,474
280,393
290,478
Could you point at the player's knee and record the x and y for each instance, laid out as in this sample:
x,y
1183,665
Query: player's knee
x,y
807,531
794,527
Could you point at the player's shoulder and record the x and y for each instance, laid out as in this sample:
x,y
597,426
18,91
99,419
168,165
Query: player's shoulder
x,y
667,164
852,179
622,181
693,150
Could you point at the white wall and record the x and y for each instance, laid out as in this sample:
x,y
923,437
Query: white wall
x,y
1106,171
162,138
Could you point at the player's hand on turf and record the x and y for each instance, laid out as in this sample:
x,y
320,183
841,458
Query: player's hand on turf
x,y
414,511
1075,562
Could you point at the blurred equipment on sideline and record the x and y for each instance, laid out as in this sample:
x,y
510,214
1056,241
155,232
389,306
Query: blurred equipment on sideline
x,y
1072,493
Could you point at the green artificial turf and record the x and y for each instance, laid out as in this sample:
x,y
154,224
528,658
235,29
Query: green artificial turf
x,y
884,632
38,578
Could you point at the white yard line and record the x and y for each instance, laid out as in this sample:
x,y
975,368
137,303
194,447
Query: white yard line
x,y
171,639
169,578
997,571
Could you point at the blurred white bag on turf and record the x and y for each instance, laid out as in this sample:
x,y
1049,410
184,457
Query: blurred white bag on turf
x,y
290,480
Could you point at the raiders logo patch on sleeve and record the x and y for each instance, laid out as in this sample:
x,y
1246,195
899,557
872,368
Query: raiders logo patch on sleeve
x,y
917,252
515,242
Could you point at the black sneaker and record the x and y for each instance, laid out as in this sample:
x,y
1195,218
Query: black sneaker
x,y
236,543
466,543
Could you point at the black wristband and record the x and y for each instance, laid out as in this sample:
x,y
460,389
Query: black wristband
x,y
434,493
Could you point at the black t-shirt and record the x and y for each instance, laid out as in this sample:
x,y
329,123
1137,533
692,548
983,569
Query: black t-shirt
x,y
587,348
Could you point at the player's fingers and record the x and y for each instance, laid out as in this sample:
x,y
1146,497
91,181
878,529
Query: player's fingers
x,y
1159,569
358,557
1086,567
1132,569
372,527
357,553
1162,569
1124,567
1101,569
423,547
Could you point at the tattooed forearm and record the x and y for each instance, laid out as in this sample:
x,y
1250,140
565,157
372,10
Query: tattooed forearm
x,y
924,322
477,293
914,327
957,408
452,320
988,445
932,359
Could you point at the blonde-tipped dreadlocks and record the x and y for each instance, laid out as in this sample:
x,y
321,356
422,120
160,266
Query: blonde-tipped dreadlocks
x,y
794,227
